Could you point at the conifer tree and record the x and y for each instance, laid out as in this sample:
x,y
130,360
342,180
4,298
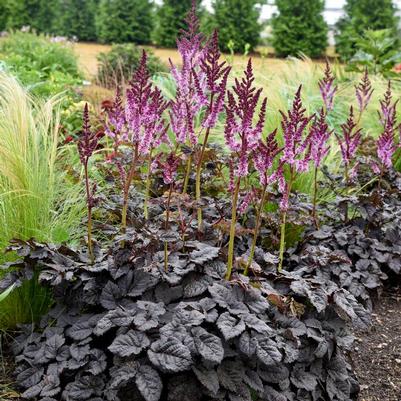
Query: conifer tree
x,y
299,27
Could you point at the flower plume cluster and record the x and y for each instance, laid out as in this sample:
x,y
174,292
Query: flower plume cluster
x,y
241,135
327,87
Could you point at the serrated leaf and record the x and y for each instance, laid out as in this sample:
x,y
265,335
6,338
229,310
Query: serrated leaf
x,y
204,254
170,356
149,383
267,351
208,378
230,326
208,345
196,285
129,344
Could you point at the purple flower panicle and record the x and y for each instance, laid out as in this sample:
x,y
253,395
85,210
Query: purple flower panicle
x,y
241,135
320,134
327,87
297,151
364,92
88,140
350,140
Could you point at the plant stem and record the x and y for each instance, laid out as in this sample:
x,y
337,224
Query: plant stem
x,y
256,232
314,212
346,190
187,173
284,222
230,261
166,226
198,177
127,187
88,197
147,192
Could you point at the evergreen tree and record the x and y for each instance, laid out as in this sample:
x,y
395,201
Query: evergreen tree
x,y
238,23
75,18
123,21
299,27
359,16
170,20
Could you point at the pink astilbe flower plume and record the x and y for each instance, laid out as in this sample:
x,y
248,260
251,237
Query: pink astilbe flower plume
x,y
189,99
216,74
144,111
320,134
296,144
327,87
364,92
350,140
88,140
263,158
386,146
241,135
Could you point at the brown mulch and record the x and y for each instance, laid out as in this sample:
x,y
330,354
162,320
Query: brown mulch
x,y
377,353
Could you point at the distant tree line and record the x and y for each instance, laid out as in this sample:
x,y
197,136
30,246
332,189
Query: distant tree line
x,y
298,27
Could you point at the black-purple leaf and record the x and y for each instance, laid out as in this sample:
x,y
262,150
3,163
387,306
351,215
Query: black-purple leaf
x,y
169,355
129,344
208,345
149,383
267,351
230,326
204,254
208,378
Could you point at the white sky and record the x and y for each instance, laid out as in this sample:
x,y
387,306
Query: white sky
x,y
332,13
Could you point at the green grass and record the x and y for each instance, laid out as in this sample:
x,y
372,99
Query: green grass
x,y
36,199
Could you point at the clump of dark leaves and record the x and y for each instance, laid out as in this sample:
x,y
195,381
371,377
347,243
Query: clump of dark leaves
x,y
124,328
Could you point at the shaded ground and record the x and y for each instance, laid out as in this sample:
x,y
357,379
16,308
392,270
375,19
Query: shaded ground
x,y
377,355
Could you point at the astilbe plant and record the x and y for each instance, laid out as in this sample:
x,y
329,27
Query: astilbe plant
x,y
327,88
386,146
264,157
242,137
296,157
141,126
87,144
320,134
363,92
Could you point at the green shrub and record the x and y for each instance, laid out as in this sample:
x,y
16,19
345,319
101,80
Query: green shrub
x,y
300,28
377,53
170,20
122,21
361,15
238,23
45,67
118,65
75,18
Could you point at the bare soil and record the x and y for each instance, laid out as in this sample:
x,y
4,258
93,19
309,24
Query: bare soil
x,y
377,354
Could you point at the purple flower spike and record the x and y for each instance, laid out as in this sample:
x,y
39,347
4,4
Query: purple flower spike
x,y
170,168
327,89
296,145
320,135
364,92
144,111
388,116
351,139
264,156
88,140
241,136
115,126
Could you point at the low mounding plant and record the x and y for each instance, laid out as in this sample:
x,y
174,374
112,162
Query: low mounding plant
x,y
176,307
117,66
45,67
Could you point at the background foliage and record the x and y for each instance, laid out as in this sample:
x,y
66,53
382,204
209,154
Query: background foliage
x,y
237,21
120,21
300,28
361,15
